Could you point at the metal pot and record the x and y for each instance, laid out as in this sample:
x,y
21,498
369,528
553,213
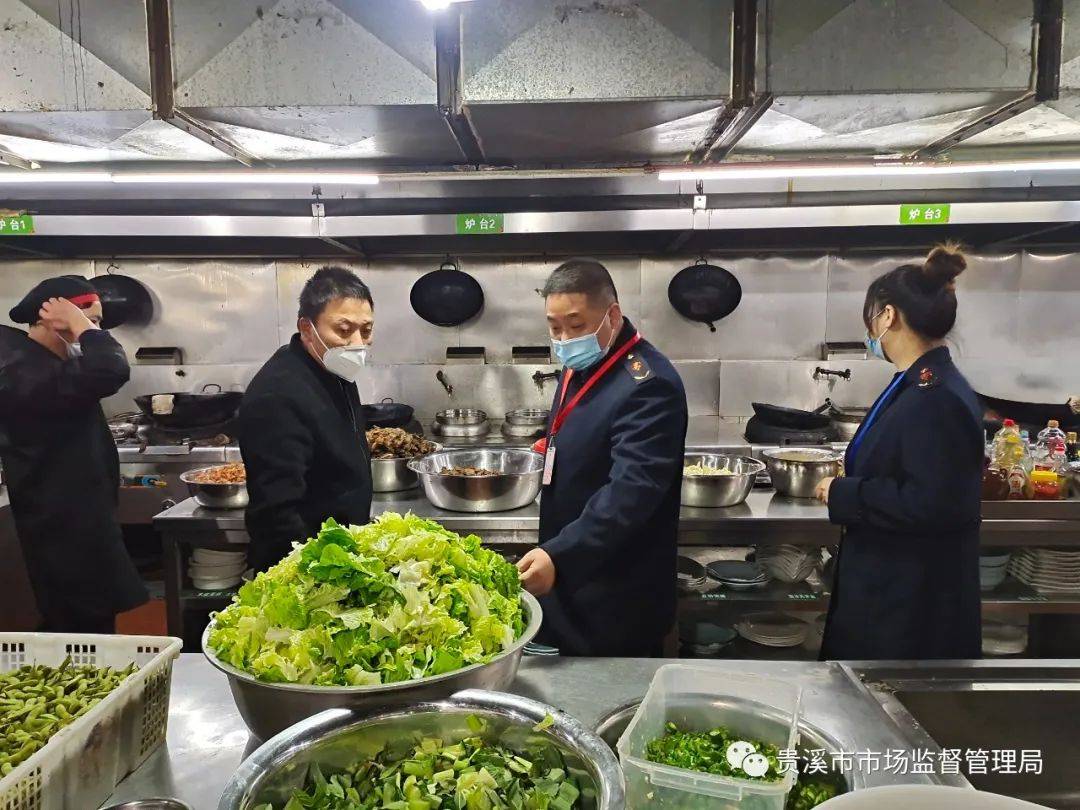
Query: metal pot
x,y
192,410
215,496
846,421
461,417
388,414
516,485
393,474
527,417
337,737
268,708
719,491
796,471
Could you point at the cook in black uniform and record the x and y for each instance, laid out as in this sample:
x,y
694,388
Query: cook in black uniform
x,y
59,458
301,427
907,577
609,512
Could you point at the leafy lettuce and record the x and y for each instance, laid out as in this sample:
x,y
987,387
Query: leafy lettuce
x,y
397,599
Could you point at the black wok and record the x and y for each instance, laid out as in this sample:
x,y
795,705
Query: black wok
x,y
793,417
388,414
193,410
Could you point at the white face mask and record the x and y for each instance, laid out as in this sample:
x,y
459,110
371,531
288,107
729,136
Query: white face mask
x,y
346,362
74,350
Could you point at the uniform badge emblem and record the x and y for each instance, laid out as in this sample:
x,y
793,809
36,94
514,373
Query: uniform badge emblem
x,y
927,378
638,368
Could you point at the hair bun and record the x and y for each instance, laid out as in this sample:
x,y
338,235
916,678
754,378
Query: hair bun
x,y
943,264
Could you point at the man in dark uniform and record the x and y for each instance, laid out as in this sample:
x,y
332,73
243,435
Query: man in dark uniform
x,y
59,458
301,427
606,566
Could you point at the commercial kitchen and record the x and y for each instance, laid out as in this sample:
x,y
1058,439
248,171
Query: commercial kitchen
x,y
744,170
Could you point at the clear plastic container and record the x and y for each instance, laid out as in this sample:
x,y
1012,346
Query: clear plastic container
x,y
1050,447
1008,449
700,699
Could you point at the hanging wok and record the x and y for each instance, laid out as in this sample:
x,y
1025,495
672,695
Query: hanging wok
x,y
447,296
125,301
193,410
1030,415
705,293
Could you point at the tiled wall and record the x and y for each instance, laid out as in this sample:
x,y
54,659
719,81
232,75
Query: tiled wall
x,y
1018,335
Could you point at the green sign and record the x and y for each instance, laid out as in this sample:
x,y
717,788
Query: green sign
x,y
916,214
479,223
16,225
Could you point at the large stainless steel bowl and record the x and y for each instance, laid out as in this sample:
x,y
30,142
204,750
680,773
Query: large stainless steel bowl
x,y
796,471
215,496
268,708
338,738
516,485
719,491
461,417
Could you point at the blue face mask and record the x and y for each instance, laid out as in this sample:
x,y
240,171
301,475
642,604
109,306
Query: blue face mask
x,y
582,352
873,344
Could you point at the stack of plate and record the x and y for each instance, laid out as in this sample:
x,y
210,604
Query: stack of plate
x,y
1004,639
739,576
992,569
788,563
703,639
216,570
772,629
1047,571
691,574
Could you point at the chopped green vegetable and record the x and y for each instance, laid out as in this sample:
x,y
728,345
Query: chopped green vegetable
x,y
398,599
468,775
545,724
810,791
707,752
38,701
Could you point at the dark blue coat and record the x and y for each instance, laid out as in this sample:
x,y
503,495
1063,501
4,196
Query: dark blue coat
x,y
907,577
610,517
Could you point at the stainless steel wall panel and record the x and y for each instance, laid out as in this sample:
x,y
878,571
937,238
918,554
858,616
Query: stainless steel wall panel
x,y
1049,292
701,379
791,383
781,315
988,312
1034,379
217,312
849,278
495,389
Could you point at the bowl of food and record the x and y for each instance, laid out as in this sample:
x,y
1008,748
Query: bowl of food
x,y
220,487
480,480
364,617
391,451
717,480
541,757
796,471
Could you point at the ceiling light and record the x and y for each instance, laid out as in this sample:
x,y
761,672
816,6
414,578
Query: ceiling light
x,y
254,176
435,5
41,176
762,171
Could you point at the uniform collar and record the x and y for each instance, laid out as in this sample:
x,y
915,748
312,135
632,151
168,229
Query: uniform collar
x,y
933,360
625,334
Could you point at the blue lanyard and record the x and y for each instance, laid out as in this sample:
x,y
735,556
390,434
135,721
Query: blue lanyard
x,y
883,400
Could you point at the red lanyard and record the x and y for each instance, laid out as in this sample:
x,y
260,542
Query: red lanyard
x,y
562,413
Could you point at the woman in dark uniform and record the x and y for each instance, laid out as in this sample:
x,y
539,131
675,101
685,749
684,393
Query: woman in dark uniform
x,y
907,575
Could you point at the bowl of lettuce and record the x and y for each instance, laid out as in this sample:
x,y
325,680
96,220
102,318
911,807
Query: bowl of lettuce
x,y
396,611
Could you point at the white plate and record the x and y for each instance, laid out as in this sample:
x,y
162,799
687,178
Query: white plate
x,y
209,554
938,797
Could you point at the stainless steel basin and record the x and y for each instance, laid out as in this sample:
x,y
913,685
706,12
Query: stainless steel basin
x,y
992,707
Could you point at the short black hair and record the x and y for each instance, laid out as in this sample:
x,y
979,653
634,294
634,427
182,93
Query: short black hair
x,y
330,283
582,276
925,293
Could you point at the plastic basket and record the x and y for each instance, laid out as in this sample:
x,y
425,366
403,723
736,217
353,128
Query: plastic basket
x,y
82,763
700,699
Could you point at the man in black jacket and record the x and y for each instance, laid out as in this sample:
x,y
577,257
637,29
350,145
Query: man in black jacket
x,y
59,458
606,566
301,426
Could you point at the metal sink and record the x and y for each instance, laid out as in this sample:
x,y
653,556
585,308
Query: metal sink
x,y
988,706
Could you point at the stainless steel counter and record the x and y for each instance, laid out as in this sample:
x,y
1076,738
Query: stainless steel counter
x,y
207,739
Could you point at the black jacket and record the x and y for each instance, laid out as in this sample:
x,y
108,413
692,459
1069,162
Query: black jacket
x,y
63,474
302,436
907,577
610,517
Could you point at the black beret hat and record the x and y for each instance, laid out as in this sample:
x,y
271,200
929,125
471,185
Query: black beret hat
x,y
75,288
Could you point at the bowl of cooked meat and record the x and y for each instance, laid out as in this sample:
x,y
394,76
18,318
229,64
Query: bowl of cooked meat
x,y
488,479
220,487
391,451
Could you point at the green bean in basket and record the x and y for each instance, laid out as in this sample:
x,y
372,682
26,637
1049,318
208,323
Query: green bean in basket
x,y
37,701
